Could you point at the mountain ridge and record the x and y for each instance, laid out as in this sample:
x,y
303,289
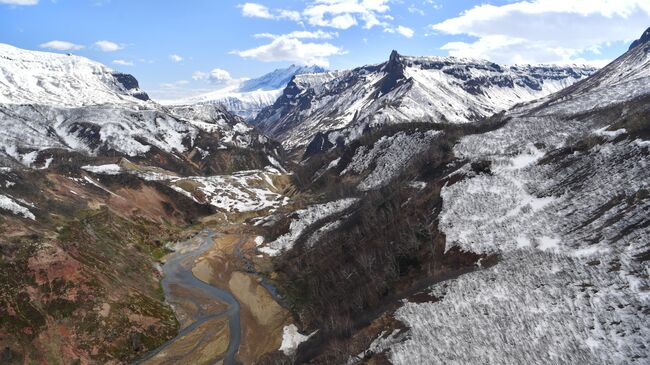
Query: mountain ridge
x,y
343,104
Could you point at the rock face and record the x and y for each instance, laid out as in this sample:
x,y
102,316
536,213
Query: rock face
x,y
131,85
344,104
645,38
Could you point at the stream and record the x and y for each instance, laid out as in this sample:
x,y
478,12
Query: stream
x,y
177,272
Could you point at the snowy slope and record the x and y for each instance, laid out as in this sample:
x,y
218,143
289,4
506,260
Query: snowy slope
x,y
278,79
54,101
246,98
31,77
439,89
243,104
565,205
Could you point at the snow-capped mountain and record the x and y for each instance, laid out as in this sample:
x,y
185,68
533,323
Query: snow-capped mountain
x,y
31,77
64,102
343,104
549,199
565,205
248,97
278,79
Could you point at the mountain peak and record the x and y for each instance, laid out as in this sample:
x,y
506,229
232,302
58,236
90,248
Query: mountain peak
x,y
645,38
278,78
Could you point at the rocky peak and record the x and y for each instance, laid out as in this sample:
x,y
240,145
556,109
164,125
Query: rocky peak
x,y
645,38
130,83
394,69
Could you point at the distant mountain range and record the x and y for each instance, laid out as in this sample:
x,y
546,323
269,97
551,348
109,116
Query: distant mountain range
x,y
248,97
331,107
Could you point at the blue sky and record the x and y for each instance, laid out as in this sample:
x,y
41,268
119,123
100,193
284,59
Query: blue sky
x,y
179,48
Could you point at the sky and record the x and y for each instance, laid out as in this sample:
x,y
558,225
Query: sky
x,y
183,48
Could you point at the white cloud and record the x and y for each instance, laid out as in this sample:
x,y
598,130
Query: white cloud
x,y
217,76
545,31
405,31
61,46
199,75
415,10
123,62
256,11
108,46
292,48
176,58
288,14
343,14
319,34
19,2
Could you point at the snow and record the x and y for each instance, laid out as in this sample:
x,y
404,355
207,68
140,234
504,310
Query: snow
x,y
440,89
246,98
50,100
31,77
243,104
7,203
109,169
389,155
532,308
244,191
569,286
305,218
291,339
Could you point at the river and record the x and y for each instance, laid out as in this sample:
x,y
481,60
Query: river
x,y
178,274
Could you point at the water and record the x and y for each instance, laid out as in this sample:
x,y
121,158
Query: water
x,y
178,273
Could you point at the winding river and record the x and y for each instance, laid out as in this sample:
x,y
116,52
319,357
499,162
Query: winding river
x,y
177,272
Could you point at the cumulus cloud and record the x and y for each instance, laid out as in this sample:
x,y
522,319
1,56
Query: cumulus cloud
x,y
290,47
545,31
217,76
108,46
400,29
19,2
61,46
343,14
199,75
255,10
319,34
339,14
176,58
123,62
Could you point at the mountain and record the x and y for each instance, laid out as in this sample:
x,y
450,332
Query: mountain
x,y
339,106
30,77
52,102
278,79
95,180
532,223
247,98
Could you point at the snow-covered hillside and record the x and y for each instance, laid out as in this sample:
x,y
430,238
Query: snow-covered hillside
x,y
565,205
53,101
31,77
405,89
246,98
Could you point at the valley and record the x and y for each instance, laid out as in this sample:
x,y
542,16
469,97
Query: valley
x,y
420,210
